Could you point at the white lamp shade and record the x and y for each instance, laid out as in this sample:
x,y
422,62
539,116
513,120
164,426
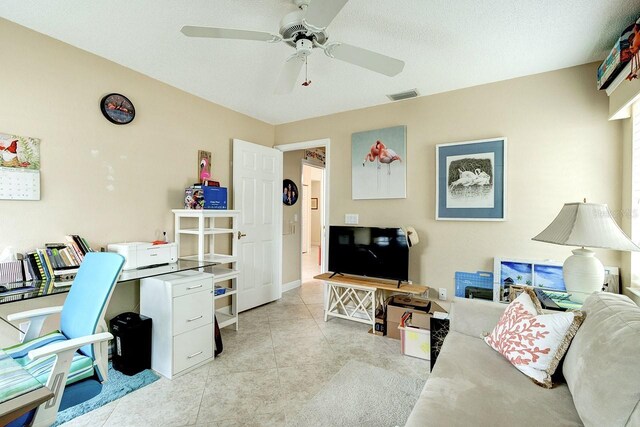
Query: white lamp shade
x,y
587,225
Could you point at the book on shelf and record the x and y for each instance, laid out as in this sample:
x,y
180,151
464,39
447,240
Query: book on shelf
x,y
46,264
64,258
73,254
82,244
76,249
35,268
56,261
29,274
34,260
86,244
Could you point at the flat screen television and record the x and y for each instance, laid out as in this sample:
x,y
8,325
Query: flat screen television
x,y
369,251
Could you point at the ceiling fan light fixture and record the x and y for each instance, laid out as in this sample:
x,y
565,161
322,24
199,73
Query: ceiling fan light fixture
x,y
411,93
304,30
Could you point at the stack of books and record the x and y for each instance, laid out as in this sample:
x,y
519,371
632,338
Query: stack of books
x,y
56,261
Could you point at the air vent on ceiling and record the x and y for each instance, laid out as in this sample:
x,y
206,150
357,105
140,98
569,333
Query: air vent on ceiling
x,y
412,93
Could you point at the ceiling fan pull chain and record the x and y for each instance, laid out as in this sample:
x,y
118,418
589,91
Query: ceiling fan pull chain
x,y
307,82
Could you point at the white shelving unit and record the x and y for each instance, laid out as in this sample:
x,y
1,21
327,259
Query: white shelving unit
x,y
208,227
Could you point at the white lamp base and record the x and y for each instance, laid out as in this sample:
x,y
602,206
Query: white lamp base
x,y
583,274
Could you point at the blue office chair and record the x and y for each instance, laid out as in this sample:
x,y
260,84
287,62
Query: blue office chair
x,y
77,355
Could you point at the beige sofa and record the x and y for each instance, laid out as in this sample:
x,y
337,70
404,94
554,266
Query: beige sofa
x,y
472,385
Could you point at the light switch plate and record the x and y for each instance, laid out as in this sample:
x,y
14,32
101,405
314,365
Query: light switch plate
x,y
351,219
442,294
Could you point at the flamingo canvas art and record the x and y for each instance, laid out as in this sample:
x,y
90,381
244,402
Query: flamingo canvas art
x,y
378,168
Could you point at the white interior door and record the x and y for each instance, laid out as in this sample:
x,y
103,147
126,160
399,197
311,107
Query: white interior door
x,y
257,194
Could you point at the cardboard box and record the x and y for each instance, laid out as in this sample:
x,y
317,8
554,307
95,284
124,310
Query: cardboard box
x,y
421,312
205,197
412,302
193,198
399,305
215,197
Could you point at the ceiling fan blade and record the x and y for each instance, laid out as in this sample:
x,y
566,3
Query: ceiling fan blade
x,y
320,13
365,58
289,75
224,33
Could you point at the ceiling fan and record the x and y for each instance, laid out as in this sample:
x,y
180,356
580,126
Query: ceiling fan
x,y
305,30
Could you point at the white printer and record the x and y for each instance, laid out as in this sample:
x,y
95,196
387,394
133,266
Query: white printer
x,y
145,254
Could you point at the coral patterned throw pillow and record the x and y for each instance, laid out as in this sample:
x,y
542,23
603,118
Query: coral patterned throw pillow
x,y
534,342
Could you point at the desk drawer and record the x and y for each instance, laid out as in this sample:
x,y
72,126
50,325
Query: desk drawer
x,y
192,311
193,286
192,347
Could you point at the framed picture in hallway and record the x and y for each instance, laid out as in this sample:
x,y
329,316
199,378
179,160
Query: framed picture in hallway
x,y
471,180
378,164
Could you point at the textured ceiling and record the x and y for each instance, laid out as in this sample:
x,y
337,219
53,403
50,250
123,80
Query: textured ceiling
x,y
446,45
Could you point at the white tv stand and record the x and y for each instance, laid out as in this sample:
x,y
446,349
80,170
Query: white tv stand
x,y
356,298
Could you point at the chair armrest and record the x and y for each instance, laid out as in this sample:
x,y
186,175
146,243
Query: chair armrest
x,y
36,320
475,317
38,312
64,352
73,344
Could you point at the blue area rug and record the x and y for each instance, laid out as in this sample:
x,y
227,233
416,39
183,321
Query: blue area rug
x,y
117,385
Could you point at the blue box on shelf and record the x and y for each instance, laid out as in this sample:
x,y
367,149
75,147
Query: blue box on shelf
x,y
219,290
215,197
474,285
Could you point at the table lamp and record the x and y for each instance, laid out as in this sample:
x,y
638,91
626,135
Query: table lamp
x,y
585,225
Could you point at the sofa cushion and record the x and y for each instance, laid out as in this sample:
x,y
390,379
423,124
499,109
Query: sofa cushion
x,y
533,342
601,367
473,385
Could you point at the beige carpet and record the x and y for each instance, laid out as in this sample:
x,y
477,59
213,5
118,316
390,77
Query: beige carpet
x,y
361,395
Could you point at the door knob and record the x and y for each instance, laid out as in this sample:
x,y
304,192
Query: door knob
x,y
241,235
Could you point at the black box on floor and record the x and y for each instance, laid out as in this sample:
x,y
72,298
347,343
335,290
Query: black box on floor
x,y
381,322
132,343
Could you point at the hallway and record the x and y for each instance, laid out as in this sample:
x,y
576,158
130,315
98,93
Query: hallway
x,y
311,290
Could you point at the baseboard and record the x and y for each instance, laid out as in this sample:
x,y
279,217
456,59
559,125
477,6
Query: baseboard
x,y
291,285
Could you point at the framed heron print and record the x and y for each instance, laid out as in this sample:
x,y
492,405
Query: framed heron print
x,y
471,180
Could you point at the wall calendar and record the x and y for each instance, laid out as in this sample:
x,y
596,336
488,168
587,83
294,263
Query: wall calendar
x,y
19,167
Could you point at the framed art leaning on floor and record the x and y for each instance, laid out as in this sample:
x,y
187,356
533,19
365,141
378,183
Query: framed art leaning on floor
x,y
471,180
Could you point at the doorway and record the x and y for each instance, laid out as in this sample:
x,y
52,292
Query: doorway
x,y
295,157
312,220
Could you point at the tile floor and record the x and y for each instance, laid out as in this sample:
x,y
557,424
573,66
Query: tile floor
x,y
310,265
283,354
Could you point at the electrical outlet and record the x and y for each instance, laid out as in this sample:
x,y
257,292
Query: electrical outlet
x,y
351,219
442,294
